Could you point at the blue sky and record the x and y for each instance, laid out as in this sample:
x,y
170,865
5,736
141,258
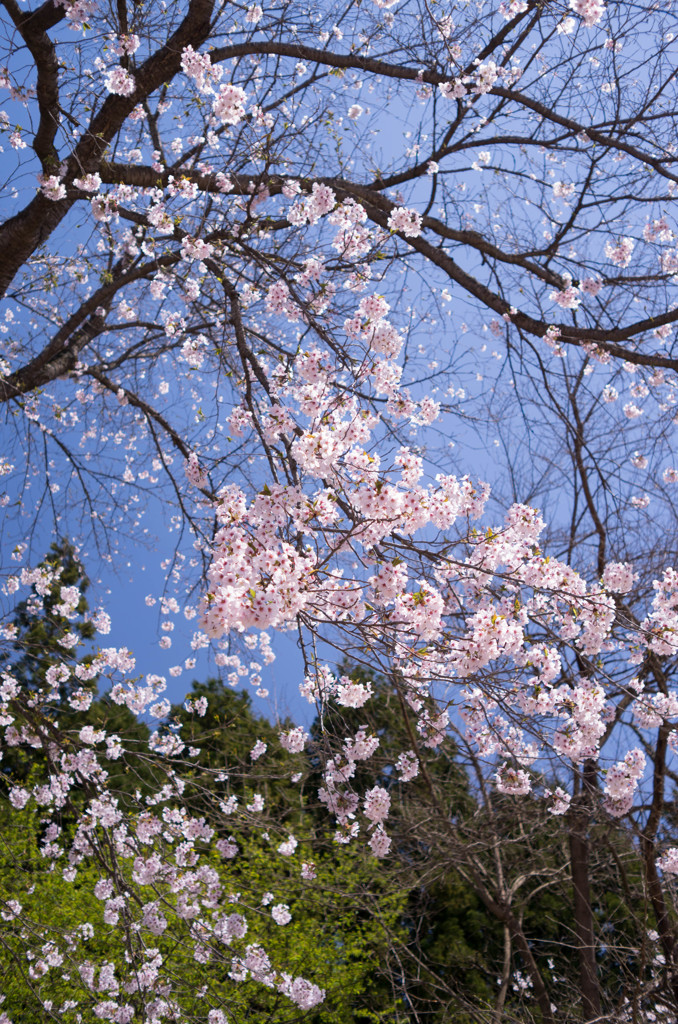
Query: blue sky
x,y
133,569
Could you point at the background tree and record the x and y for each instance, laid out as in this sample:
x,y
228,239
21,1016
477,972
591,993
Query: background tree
x,y
333,918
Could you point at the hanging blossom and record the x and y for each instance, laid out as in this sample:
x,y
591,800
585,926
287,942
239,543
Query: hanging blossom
x,y
486,76
195,248
658,231
568,297
351,694
668,862
619,577
513,781
563,190
621,253
591,285
453,90
254,14
407,222
310,209
229,104
88,182
281,914
195,474
52,187
621,782
407,765
104,209
125,44
78,13
559,801
294,740
377,805
119,81
590,11
369,324
509,10
199,67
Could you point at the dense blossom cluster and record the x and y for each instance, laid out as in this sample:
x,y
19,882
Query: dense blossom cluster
x,y
511,591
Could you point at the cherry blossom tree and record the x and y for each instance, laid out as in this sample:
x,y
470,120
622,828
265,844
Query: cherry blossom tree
x,y
252,263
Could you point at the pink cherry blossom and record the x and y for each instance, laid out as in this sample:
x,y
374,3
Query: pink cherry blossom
x,y
119,81
407,222
229,104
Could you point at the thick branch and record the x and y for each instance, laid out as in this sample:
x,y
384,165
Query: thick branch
x,y
22,234
379,67
43,53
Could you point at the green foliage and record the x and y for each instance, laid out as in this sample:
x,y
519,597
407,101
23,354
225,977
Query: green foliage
x,y
53,914
224,736
40,622
343,923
